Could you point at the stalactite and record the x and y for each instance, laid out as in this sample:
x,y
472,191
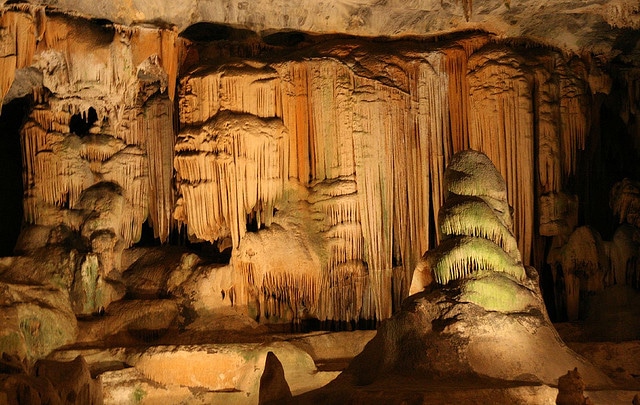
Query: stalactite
x,y
249,90
233,167
433,127
157,122
343,281
53,164
99,148
162,43
318,99
547,101
369,135
456,67
129,169
199,97
344,298
501,126
111,71
330,91
295,116
78,164
285,295
584,265
21,31
373,122
330,113
268,277
574,113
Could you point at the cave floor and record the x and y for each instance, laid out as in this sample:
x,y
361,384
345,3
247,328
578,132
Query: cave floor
x,y
201,365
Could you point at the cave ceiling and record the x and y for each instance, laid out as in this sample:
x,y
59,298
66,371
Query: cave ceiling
x,y
602,27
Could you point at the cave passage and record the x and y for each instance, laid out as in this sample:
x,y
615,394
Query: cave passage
x,y
11,188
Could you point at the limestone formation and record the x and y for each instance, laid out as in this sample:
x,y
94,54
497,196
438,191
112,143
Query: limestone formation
x,y
570,389
195,176
278,127
49,382
479,323
273,385
625,201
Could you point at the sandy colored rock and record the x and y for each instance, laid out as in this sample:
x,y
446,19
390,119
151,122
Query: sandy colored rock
x,y
35,320
227,367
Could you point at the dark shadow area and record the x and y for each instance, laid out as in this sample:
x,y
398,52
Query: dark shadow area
x,y
610,156
252,223
207,32
147,237
548,291
80,124
285,38
209,252
12,118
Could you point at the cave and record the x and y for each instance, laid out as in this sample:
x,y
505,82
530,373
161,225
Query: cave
x,y
257,203
11,185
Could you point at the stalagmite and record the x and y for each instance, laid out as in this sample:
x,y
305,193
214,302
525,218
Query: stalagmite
x,y
463,256
625,256
558,214
474,217
624,200
197,172
365,131
474,223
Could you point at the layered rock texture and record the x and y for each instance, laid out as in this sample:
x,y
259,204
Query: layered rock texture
x,y
197,172
481,319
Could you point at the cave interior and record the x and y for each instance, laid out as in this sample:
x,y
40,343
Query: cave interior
x,y
248,208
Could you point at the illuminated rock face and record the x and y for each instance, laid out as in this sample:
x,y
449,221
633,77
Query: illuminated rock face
x,y
369,131
476,321
331,151
475,223
568,25
315,163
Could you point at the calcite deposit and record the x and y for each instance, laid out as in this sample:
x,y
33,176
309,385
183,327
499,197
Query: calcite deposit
x,y
187,178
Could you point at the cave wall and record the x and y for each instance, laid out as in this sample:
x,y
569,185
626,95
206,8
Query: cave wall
x,y
329,151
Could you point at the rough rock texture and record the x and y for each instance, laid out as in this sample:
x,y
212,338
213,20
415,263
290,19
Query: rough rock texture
x,y
568,25
478,322
340,141
232,370
570,389
307,142
441,334
50,382
36,319
621,360
273,385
